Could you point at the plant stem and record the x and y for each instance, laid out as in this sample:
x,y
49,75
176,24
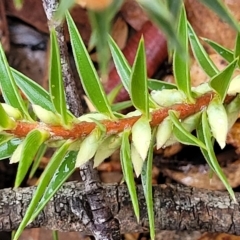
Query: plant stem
x,y
81,130
72,96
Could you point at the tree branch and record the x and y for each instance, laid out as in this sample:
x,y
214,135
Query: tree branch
x,y
176,207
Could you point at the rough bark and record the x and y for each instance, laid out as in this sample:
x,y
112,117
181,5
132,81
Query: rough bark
x,y
72,96
176,208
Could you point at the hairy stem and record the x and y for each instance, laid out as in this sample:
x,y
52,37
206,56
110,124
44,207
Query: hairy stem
x,y
81,130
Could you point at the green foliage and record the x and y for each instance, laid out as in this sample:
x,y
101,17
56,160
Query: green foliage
x,y
127,170
137,141
87,72
181,61
138,83
56,87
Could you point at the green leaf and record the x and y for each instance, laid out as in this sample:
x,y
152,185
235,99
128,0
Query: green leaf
x,y
138,84
100,23
222,51
221,81
37,160
128,171
174,8
147,186
55,78
159,13
160,85
204,131
62,173
7,148
29,148
218,7
49,171
200,54
114,92
182,134
180,62
90,80
121,64
121,105
5,121
34,92
9,88
5,138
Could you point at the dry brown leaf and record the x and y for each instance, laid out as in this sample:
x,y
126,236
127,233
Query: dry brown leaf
x,y
198,175
120,32
234,137
218,236
207,24
133,14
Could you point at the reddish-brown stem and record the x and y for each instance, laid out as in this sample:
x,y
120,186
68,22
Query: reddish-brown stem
x,y
82,129
156,53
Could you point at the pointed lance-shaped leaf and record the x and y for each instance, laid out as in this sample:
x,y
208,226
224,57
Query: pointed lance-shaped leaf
x,y
34,92
45,178
138,83
200,54
147,185
122,65
222,51
204,133
128,171
182,134
218,121
55,78
7,148
88,75
9,88
61,174
26,152
180,61
141,136
221,81
154,84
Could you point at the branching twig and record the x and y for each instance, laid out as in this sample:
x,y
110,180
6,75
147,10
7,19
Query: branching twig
x,y
176,208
